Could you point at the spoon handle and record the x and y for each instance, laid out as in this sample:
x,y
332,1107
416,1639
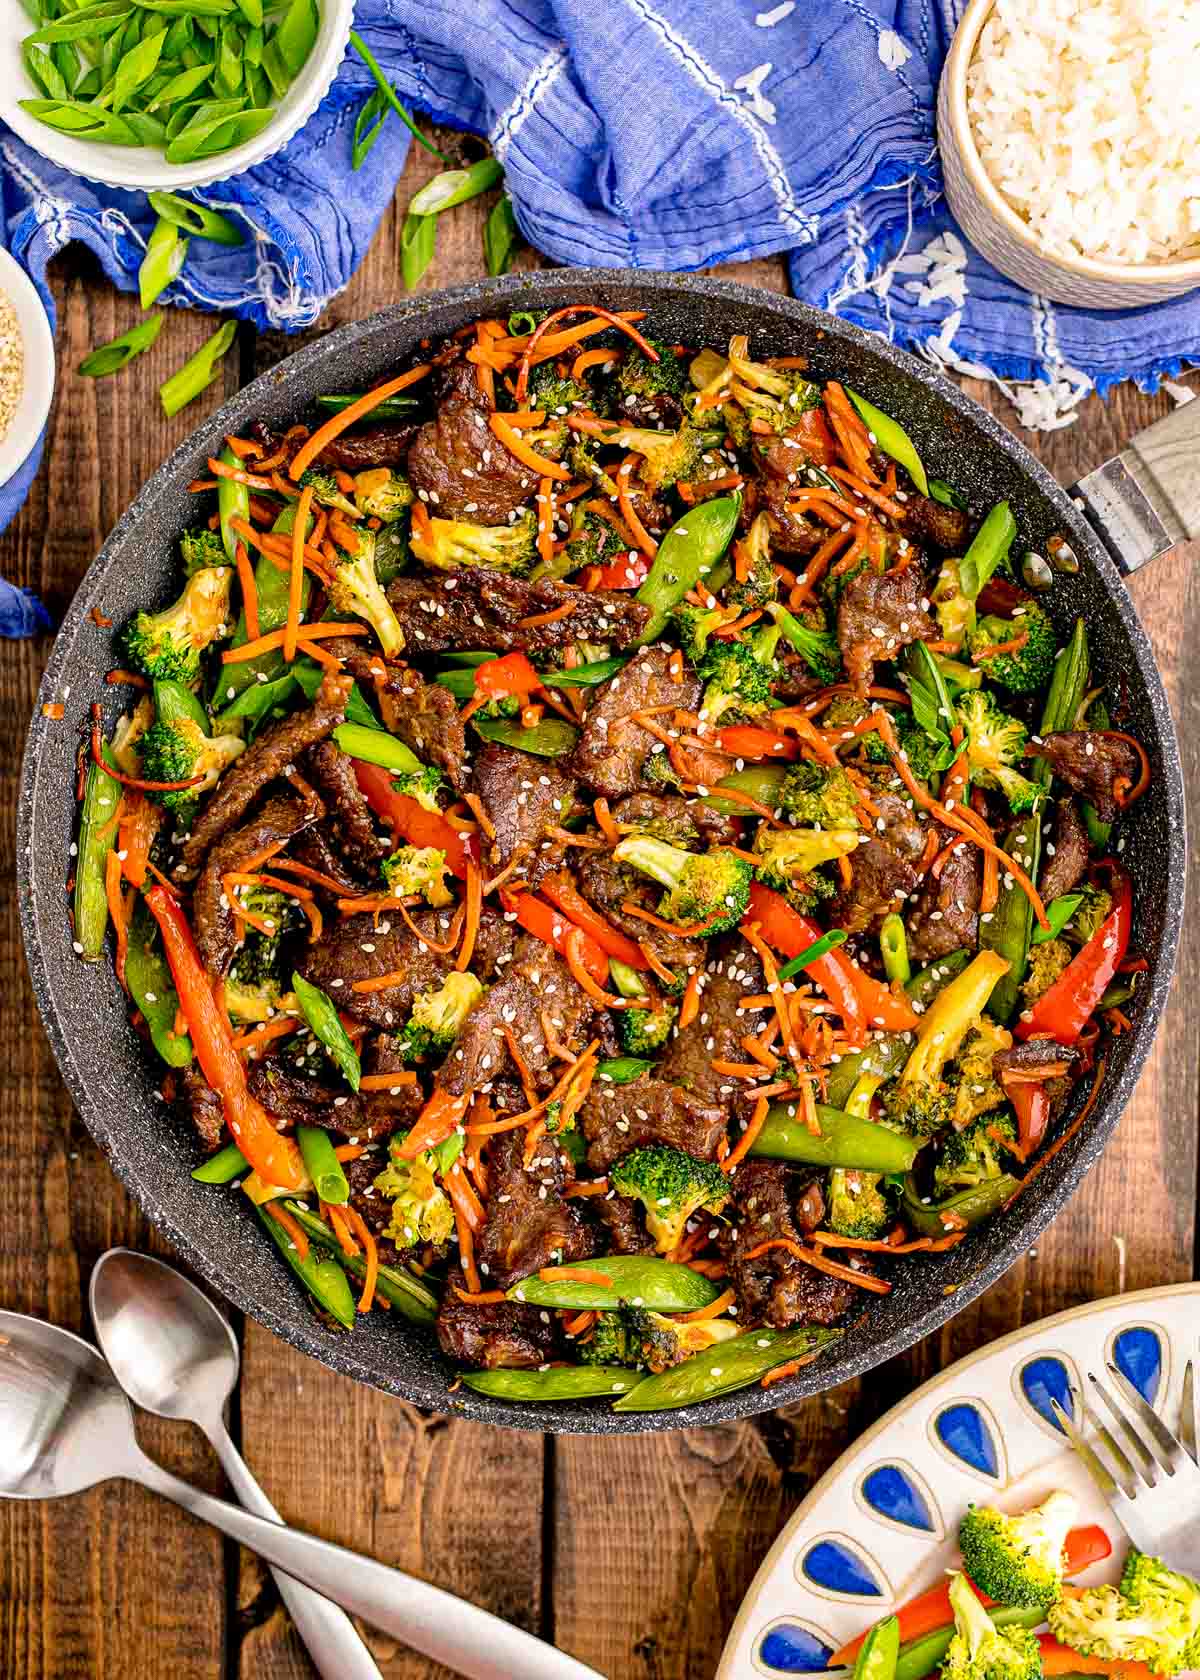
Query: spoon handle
x,y
329,1635
448,1629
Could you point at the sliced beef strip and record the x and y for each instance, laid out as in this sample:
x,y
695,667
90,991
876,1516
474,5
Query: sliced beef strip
x,y
1066,855
495,944
502,1336
1090,762
624,1229
301,1100
671,817
355,949
612,750
883,868
523,797
395,1108
608,885
795,535
277,749
1032,1056
934,525
878,614
459,466
481,608
212,915
349,824
702,766
776,1288
945,916
528,1225
425,717
315,850
734,972
386,444
780,467
372,1204
203,1106
618,1118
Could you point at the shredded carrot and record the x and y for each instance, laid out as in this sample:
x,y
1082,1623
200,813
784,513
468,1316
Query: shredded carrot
x,y
1122,793
587,1187
788,1369
263,1032
687,930
864,1280
550,617
656,965
714,1309
459,1186
131,678
245,574
335,1217
118,909
291,629
275,639
53,709
296,1234
589,359
579,1323
528,457
386,1081
640,535
1013,645
744,1143
481,1297
559,341
441,1116
574,1274
689,1008
474,902
366,1237
337,423
253,481
522,1066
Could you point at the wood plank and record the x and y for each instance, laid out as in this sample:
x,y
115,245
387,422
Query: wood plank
x,y
66,1567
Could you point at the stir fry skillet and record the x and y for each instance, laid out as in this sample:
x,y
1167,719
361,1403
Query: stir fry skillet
x,y
610,854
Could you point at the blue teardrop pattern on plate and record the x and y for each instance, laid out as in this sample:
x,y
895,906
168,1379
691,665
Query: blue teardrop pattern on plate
x,y
1043,1378
1138,1354
792,1648
892,1492
966,1434
839,1567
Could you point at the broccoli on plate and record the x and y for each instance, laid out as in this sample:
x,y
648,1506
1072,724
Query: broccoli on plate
x,y
982,1651
1018,1559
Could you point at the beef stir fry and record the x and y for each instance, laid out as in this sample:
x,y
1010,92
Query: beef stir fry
x,y
610,855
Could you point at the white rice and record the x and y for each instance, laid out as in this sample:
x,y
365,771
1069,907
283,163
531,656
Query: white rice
x,y
1086,114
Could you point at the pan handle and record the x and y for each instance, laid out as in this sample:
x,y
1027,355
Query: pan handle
x,y
1147,498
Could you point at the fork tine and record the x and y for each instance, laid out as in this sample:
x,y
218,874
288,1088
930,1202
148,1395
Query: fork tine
x,y
1092,1463
1125,1473
1142,1464
1163,1444
1187,1411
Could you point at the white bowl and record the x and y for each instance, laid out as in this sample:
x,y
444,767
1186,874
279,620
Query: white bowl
x,y
1004,237
144,166
37,344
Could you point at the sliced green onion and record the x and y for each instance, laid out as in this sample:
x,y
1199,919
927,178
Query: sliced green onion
x,y
812,953
223,1167
368,126
455,186
418,241
197,373
500,236
389,93
111,357
196,219
165,253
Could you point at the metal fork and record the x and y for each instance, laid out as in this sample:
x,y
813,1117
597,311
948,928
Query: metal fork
x,y
1152,1483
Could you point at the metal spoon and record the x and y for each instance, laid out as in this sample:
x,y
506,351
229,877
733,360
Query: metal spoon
x,y
174,1354
67,1426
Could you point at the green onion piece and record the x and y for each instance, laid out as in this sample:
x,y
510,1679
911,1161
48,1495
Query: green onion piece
x,y
891,437
223,1167
165,253
455,186
252,11
45,72
77,116
96,23
375,746
111,357
389,93
218,135
367,128
318,1010
940,491
323,1166
893,948
196,219
418,241
1058,914
197,373
135,68
619,1070
819,948
988,549
297,34
500,235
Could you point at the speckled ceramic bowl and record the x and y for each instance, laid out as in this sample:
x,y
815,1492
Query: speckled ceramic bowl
x,y
104,1063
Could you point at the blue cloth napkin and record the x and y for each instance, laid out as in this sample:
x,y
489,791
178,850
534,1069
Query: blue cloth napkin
x,y
644,134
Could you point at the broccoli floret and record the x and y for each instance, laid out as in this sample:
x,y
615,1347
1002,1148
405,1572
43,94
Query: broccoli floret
x,y
1024,669
1102,1623
858,1206
1018,1559
556,394
421,1210
423,785
667,457
979,1091
817,795
659,774
1095,909
593,541
166,646
355,589
760,584
325,490
982,1651
645,1031
955,610
614,1340
926,757
1150,1585
696,624
639,380
176,751
436,1018
671,1187
1046,962
418,869
972,1156
777,395
817,647
450,543
919,1110
200,548
632,1336
583,458
709,889
255,987
921,1101
382,494
844,711
791,858
995,744
737,677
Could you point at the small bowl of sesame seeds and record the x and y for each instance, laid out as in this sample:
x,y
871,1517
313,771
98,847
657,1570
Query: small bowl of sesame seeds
x,y
26,366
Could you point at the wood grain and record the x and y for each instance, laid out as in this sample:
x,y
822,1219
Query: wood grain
x,y
632,1553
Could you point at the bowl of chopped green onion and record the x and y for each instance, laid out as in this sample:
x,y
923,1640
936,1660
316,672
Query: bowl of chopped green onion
x,y
166,93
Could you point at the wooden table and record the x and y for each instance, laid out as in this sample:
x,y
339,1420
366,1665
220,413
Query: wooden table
x,y
631,1553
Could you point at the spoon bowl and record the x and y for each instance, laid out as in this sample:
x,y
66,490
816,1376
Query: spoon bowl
x,y
172,1348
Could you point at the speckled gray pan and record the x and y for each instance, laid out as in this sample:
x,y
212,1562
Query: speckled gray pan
x,y
104,1064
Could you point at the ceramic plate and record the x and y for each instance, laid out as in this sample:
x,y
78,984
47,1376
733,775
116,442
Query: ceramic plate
x,y
879,1526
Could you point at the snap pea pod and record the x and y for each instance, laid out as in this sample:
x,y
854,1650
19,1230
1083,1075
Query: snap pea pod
x,y
845,1140
891,437
967,1208
318,1010
927,982
391,408
562,1382
723,1368
375,746
883,1057
223,1167
920,1657
321,1275
550,738
233,502
584,676
97,836
688,552
760,781
893,948
1098,832
153,990
310,676
460,682
879,1652
1058,914
323,1166
989,547
660,1285
405,1292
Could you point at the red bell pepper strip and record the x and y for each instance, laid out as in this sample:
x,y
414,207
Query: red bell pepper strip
x,y
410,818
552,927
862,1001
561,890
513,674
744,741
275,1158
1084,1547
1031,1104
1062,1012
629,572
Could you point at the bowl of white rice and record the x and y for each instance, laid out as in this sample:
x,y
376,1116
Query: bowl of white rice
x,y
1070,139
